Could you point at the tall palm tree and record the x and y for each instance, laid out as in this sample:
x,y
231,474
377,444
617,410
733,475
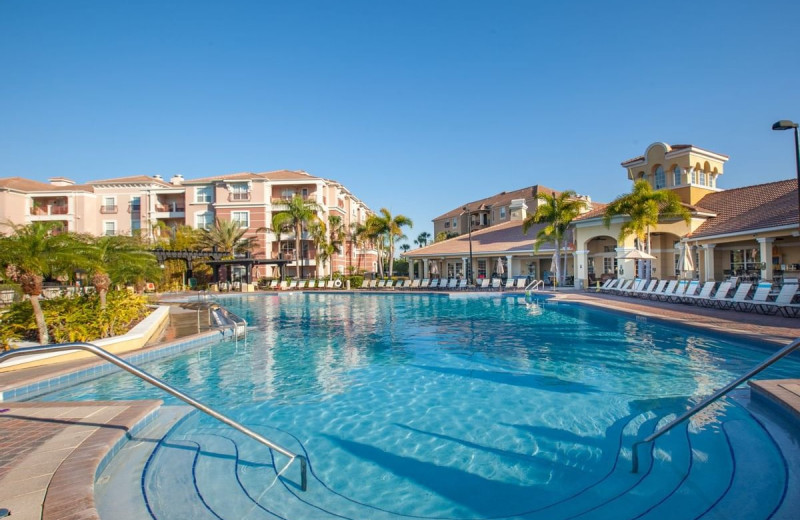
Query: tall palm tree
x,y
34,252
353,238
226,236
299,213
557,212
118,260
319,236
405,247
391,228
423,239
644,207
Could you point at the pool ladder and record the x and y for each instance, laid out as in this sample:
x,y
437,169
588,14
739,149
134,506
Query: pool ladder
x,y
785,351
141,374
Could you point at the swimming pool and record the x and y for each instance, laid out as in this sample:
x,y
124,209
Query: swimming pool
x,y
415,406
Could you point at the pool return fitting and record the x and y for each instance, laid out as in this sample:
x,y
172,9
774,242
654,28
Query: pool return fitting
x,y
141,374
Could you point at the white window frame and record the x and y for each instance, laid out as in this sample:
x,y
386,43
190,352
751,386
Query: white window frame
x,y
659,178
136,225
136,202
246,213
206,214
676,176
206,192
113,228
503,212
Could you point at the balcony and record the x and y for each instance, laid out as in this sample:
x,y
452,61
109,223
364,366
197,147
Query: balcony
x,y
239,196
169,208
49,209
108,210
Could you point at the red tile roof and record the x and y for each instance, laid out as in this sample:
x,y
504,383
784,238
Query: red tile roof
x,y
21,184
134,179
499,199
502,238
750,208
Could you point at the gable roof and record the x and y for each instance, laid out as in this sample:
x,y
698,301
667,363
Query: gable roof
x,y
499,199
277,175
749,208
506,237
21,184
134,179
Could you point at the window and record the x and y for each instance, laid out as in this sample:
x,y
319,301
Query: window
x,y
287,193
136,204
694,177
447,224
109,228
503,212
109,205
744,260
660,178
702,178
482,268
203,220
676,176
242,217
304,192
240,191
204,194
136,225
609,265
455,222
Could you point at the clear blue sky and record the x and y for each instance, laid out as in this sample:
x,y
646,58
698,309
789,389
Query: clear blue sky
x,y
417,106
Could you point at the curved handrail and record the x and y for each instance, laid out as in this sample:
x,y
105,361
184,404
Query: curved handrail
x,y
708,400
141,374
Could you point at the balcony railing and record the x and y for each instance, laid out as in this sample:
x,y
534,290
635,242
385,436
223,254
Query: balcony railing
x,y
239,196
108,209
169,208
283,200
49,209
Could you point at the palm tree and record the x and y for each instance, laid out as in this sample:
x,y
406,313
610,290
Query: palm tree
x,y
405,247
644,207
423,239
557,211
34,252
118,260
391,228
299,212
354,237
374,232
226,236
319,236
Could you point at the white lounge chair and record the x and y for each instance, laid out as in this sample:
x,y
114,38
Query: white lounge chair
x,y
782,300
721,294
274,284
407,284
704,293
690,291
484,284
496,284
647,289
760,296
520,285
452,284
415,283
610,285
622,287
284,285
462,285
679,291
669,291
654,294
434,284
739,296
389,284
509,286
425,283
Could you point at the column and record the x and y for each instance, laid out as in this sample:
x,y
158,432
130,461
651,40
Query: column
x,y
464,261
625,266
766,257
708,263
510,265
425,268
580,266
410,268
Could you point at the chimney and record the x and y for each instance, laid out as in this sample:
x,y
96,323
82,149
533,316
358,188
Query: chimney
x,y
61,181
176,179
158,177
518,209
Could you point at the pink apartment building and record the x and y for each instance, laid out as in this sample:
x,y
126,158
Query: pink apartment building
x,y
142,204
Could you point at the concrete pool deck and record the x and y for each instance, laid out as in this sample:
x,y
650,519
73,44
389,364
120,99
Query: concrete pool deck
x,y
50,452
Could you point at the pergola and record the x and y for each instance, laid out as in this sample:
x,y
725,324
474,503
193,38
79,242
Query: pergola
x,y
214,259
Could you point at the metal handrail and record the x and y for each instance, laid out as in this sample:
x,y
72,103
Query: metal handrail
x,y
111,358
534,285
708,400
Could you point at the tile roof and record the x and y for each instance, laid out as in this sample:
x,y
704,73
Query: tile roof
x,y
499,199
750,208
21,184
134,179
500,238
277,175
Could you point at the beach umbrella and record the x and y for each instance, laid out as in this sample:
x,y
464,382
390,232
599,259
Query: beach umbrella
x,y
499,269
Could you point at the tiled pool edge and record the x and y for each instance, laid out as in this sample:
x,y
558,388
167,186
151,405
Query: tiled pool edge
x,y
49,384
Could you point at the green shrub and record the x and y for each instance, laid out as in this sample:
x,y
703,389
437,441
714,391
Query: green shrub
x,y
356,281
77,318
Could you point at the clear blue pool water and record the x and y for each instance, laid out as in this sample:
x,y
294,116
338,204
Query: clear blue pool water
x,y
414,406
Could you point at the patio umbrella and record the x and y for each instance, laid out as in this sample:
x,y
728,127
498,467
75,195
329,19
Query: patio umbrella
x,y
687,262
499,269
556,268
434,268
638,255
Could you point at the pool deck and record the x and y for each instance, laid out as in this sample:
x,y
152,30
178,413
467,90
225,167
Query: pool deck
x,y
49,452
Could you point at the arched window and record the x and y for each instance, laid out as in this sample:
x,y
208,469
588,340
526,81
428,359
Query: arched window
x,y
702,178
660,178
676,176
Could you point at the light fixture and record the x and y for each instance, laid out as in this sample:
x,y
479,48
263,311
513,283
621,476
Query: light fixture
x,y
785,124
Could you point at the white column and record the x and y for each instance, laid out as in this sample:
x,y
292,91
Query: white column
x,y
410,268
509,261
464,261
766,257
580,265
625,266
708,263
425,272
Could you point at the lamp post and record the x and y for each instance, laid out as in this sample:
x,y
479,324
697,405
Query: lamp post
x,y
785,124
469,231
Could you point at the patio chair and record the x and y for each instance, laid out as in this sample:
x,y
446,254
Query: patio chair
x,y
381,284
407,284
739,296
520,285
484,286
452,284
389,284
679,291
312,284
330,284
509,286
415,283
293,284
664,296
462,285
647,289
782,300
284,285
654,294
425,283
760,296
434,284
621,287
274,284
704,293
610,284
301,284
637,287
690,291
496,284
721,294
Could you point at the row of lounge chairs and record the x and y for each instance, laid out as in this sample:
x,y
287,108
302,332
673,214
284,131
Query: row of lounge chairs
x,y
452,284
304,284
746,297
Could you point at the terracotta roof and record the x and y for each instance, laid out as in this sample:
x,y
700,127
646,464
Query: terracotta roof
x,y
20,184
673,148
598,209
499,199
134,179
241,176
749,208
504,237
277,175
284,175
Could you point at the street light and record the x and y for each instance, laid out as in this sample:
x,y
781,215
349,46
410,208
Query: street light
x,y
469,230
785,124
